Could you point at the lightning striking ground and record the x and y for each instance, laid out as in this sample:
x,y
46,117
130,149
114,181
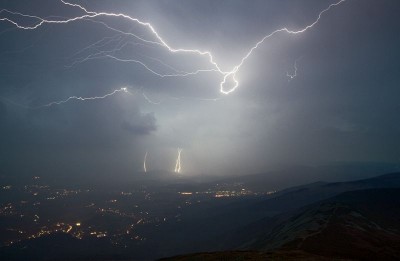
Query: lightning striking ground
x,y
144,163
178,162
229,82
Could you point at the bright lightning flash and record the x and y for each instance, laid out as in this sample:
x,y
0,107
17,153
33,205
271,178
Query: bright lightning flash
x,y
144,163
178,162
228,77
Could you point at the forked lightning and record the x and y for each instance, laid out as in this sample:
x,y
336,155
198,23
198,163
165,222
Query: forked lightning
x,y
228,83
178,162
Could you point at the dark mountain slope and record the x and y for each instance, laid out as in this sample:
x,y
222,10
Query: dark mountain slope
x,y
361,224
240,224
355,225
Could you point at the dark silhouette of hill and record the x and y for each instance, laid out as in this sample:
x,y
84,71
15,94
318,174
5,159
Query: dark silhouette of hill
x,y
362,224
355,225
288,200
285,202
237,225
248,256
296,197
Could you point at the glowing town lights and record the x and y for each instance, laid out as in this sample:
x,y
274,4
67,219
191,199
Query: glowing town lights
x,y
69,228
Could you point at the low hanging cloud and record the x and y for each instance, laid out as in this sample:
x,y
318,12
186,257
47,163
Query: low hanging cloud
x,y
142,124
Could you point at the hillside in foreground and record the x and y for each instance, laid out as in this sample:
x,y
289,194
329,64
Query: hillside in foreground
x,y
355,225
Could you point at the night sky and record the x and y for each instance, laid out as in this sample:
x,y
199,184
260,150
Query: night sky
x,y
342,106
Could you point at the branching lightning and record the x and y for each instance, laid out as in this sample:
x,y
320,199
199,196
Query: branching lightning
x,y
69,99
123,89
229,82
178,162
294,74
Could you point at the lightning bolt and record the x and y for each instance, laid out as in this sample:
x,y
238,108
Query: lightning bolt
x,y
294,74
229,76
144,163
178,162
123,89
149,100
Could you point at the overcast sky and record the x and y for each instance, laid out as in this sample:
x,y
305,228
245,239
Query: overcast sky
x,y
343,105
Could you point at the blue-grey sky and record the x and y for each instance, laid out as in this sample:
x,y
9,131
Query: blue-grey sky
x,y
343,105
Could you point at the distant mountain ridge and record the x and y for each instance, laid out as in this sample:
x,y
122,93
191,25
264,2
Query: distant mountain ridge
x,y
363,224
289,200
300,196
333,221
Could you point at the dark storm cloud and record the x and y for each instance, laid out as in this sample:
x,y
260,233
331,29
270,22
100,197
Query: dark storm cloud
x,y
342,106
3,111
142,125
